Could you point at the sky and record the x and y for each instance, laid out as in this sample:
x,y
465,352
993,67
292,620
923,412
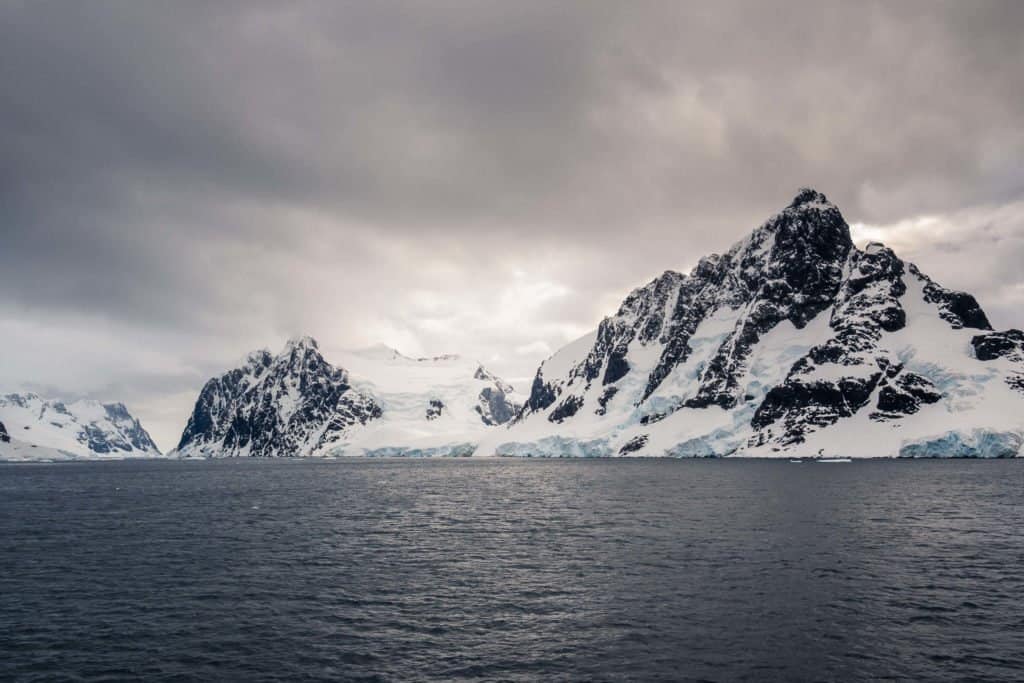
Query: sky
x,y
183,182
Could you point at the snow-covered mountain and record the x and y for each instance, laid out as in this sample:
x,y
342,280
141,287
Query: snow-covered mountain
x,y
794,342
48,429
374,402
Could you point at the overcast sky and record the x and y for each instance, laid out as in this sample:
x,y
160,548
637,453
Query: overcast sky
x,y
182,182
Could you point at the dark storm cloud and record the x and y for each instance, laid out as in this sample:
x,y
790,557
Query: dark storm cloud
x,y
203,177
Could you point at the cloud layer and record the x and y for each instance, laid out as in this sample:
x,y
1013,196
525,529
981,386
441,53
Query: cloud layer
x,y
185,181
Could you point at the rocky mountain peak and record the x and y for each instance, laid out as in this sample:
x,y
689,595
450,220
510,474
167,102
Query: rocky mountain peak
x,y
792,331
300,343
290,404
82,427
258,359
813,219
809,196
789,268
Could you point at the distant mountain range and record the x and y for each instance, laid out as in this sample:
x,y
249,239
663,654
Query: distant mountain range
x,y
376,402
37,428
794,342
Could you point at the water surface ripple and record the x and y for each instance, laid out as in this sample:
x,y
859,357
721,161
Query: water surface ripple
x,y
512,570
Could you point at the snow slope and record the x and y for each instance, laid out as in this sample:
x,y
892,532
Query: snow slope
x,y
429,406
77,429
794,342
15,450
374,401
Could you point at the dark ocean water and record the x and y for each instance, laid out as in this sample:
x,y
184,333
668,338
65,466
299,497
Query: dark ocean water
x,y
512,570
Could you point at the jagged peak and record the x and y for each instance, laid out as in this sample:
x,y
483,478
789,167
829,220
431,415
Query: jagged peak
x,y
810,216
301,342
116,409
258,357
808,196
667,279
706,266
872,248
486,375
483,373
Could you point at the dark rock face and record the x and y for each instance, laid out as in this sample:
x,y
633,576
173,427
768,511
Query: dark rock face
x,y
1008,345
634,444
788,269
566,409
616,368
800,265
836,379
219,395
904,396
116,431
607,395
542,395
494,404
4,436
792,274
130,436
871,291
802,406
292,404
434,409
959,309
495,408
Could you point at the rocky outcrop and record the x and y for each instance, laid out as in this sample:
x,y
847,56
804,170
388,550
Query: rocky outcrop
x,y
495,404
772,346
83,428
292,404
1007,347
1008,344
376,402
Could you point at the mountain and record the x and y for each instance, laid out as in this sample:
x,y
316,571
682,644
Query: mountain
x,y
55,429
794,342
293,403
376,402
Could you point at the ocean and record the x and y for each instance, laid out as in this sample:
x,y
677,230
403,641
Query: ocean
x,y
502,569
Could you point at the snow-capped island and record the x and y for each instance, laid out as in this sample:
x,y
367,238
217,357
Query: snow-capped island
x,y
36,428
373,402
794,343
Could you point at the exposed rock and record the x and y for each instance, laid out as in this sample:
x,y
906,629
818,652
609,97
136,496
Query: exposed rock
x,y
959,309
82,428
1008,344
291,404
634,444
434,409
790,334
